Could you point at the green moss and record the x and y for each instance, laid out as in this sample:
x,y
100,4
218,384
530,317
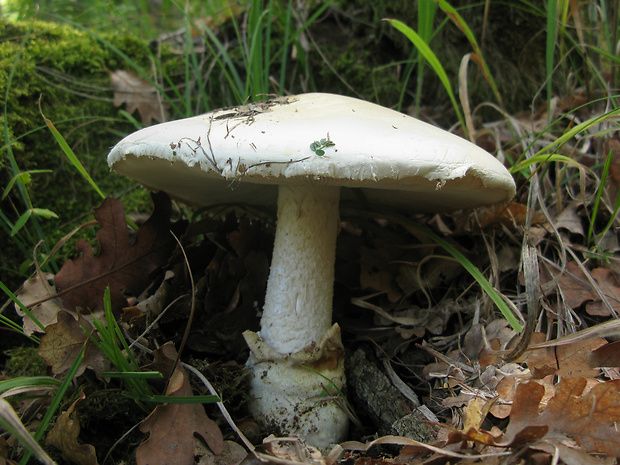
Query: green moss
x,y
24,361
66,72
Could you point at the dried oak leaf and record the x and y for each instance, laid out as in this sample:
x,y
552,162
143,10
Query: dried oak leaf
x,y
137,94
578,290
64,436
587,418
63,341
171,427
122,264
578,357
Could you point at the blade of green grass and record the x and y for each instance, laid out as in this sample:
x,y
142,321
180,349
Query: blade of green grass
x,y
24,177
458,20
77,164
28,381
543,155
469,266
22,307
56,401
432,59
133,374
426,19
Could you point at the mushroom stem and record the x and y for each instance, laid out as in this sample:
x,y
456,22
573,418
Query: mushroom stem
x,y
298,302
298,353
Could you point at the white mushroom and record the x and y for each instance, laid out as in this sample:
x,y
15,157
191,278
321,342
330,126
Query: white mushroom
x,y
299,151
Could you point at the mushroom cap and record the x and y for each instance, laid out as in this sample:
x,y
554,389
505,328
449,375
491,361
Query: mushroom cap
x,y
241,155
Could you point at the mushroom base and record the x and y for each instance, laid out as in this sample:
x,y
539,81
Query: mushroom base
x,y
289,391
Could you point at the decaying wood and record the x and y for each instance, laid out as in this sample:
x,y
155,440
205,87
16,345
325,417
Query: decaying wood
x,y
374,395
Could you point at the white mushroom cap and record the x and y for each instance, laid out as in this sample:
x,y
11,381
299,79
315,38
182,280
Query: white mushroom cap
x,y
264,153
220,157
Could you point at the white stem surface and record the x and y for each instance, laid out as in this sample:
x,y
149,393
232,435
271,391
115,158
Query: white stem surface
x,y
298,302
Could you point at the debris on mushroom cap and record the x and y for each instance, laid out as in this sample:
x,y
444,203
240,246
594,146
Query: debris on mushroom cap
x,y
246,151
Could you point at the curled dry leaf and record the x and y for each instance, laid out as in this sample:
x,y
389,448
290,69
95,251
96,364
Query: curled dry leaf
x,y
233,454
34,290
64,436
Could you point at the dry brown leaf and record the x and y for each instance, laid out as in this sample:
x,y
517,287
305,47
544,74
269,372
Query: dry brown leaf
x,y
564,360
171,427
63,341
137,94
608,283
64,436
123,265
607,356
570,220
587,418
506,390
578,290
233,454
507,215
34,290
572,455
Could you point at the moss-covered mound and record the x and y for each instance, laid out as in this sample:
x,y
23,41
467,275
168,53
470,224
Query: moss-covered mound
x,y
65,74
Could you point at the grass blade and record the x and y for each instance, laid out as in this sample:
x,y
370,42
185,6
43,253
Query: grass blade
x,y
70,155
432,59
459,22
469,266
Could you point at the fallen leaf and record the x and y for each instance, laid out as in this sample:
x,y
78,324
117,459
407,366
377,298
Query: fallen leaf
x,y
587,418
375,275
563,360
572,455
607,356
608,283
577,289
508,215
171,427
64,436
233,454
137,94
34,290
570,220
123,265
63,341
288,450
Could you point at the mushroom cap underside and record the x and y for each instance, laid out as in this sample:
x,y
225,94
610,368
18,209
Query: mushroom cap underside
x,y
241,155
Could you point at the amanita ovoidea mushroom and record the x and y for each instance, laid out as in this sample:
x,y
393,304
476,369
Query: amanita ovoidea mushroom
x,y
299,151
